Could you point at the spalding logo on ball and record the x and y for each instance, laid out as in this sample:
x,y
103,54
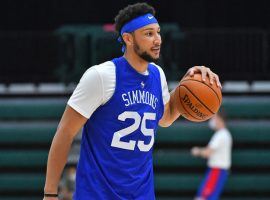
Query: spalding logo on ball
x,y
197,100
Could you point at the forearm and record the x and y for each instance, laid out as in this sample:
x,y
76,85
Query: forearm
x,y
56,161
68,127
174,111
171,112
204,152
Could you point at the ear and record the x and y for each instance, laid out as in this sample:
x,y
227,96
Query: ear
x,y
128,39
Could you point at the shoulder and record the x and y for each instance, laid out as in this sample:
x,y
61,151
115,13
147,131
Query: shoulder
x,y
227,134
159,68
108,65
161,72
104,69
224,134
98,74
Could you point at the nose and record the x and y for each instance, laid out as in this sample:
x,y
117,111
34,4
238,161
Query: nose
x,y
157,40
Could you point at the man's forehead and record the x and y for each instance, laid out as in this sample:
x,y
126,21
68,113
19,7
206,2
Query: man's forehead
x,y
154,26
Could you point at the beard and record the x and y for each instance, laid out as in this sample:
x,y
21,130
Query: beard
x,y
147,57
143,54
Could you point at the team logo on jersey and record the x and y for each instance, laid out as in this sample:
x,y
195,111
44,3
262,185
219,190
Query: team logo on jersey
x,y
142,84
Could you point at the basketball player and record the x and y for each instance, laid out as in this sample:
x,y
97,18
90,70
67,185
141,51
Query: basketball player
x,y
218,153
120,104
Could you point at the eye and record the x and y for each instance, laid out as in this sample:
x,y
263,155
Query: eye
x,y
148,33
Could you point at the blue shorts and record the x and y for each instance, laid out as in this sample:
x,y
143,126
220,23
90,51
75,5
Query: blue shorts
x,y
213,183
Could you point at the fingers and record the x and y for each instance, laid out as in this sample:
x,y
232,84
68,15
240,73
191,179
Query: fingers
x,y
213,77
205,71
190,72
217,80
193,70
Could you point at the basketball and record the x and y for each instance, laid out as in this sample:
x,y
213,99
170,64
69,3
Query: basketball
x,y
197,100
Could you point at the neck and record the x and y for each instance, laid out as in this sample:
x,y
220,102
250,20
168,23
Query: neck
x,y
139,64
221,126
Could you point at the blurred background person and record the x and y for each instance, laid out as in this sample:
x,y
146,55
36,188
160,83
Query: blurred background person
x,y
218,155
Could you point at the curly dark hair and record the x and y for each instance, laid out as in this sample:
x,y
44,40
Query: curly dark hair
x,y
130,12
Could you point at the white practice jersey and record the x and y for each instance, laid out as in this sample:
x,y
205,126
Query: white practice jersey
x,y
221,143
97,86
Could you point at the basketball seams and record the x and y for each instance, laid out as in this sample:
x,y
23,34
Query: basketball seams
x,y
197,98
204,84
186,109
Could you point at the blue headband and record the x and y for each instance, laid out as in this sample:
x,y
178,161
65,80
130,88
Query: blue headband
x,y
137,23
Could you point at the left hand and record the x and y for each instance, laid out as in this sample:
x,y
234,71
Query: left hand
x,y
205,71
195,151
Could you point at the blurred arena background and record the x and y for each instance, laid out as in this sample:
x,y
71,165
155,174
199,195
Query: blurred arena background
x,y
46,45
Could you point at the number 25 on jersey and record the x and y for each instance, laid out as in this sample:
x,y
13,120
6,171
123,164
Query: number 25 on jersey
x,y
130,145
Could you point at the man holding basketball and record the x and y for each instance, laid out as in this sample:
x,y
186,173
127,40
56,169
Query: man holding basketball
x,y
119,104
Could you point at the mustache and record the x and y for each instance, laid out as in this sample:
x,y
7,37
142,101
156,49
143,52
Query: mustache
x,y
156,46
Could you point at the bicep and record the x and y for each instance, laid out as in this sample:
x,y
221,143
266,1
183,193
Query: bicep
x,y
71,122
